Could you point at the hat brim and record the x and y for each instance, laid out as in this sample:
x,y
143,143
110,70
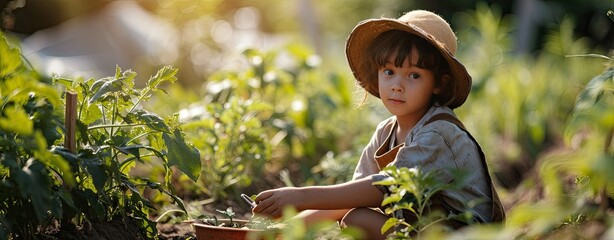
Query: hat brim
x,y
364,33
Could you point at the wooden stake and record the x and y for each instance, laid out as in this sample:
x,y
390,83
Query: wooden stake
x,y
70,122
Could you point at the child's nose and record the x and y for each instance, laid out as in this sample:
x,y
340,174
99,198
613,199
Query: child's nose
x,y
396,86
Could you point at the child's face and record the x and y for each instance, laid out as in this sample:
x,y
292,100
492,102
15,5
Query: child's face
x,y
406,91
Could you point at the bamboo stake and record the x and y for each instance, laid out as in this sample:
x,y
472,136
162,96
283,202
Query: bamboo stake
x,y
70,122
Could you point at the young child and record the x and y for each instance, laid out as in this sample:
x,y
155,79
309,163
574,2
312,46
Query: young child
x,y
409,64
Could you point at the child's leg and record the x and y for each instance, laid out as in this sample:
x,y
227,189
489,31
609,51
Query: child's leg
x,y
367,219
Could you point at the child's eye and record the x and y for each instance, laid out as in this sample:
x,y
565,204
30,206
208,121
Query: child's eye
x,y
414,76
388,72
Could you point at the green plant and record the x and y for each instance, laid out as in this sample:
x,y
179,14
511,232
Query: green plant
x,y
306,101
34,182
413,190
594,115
213,220
576,181
233,144
519,103
43,185
113,135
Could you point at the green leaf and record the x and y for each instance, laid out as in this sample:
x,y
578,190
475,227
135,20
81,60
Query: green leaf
x,y
95,167
593,102
95,209
391,199
386,182
391,222
103,87
131,150
48,93
152,120
91,114
52,160
166,74
10,58
33,181
16,120
595,89
71,158
180,154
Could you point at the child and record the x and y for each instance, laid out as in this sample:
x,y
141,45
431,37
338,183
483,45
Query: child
x,y
409,64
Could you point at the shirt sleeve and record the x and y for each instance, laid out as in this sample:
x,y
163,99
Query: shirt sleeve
x,y
367,164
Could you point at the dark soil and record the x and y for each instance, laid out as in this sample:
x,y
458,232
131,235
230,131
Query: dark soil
x,y
116,229
176,231
119,230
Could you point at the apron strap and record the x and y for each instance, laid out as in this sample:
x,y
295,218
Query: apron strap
x,y
498,213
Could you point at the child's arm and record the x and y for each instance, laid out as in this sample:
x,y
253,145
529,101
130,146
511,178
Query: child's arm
x,y
353,194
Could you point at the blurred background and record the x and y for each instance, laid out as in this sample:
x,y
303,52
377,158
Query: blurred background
x,y
289,54
90,37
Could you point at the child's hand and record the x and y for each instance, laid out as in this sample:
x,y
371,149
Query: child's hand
x,y
272,202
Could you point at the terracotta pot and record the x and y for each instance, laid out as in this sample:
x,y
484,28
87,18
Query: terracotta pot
x,y
207,232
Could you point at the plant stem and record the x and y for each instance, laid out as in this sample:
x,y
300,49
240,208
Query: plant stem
x,y
145,91
137,137
122,165
113,116
115,126
590,55
169,212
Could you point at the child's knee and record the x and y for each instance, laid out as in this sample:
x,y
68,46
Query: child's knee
x,y
368,220
356,217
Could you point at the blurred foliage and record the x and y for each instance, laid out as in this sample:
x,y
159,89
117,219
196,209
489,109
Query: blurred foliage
x,y
47,187
33,180
519,103
518,109
276,110
255,106
291,228
233,145
213,33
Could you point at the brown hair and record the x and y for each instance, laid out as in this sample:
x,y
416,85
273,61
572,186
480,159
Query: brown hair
x,y
401,44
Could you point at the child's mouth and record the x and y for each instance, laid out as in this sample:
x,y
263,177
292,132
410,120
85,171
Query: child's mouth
x,y
396,101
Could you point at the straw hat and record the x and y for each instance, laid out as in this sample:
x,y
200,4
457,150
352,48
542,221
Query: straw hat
x,y
425,24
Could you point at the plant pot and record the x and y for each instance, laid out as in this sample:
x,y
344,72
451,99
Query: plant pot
x,y
209,232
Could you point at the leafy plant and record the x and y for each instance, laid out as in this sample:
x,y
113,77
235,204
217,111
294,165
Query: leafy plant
x,y
413,190
113,135
305,101
537,100
214,221
577,181
59,188
233,143
594,114
574,182
34,182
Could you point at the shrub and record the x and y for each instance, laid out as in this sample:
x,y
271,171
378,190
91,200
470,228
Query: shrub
x,y
93,184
